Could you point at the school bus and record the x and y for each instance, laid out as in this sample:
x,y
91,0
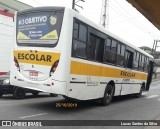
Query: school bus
x,y
57,50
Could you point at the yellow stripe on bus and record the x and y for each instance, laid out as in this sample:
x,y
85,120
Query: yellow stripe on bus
x,y
79,68
39,57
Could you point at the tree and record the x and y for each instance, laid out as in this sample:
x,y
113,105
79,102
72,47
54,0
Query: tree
x,y
147,49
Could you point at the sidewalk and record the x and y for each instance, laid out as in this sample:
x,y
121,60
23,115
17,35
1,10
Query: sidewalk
x,y
155,79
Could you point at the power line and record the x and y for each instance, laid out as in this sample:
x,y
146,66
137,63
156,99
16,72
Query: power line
x,y
133,19
126,16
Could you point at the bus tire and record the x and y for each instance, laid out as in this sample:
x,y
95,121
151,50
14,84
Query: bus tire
x,y
19,93
108,95
53,95
35,93
137,95
66,98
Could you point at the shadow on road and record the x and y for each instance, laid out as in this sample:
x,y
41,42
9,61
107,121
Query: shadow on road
x,y
50,105
10,97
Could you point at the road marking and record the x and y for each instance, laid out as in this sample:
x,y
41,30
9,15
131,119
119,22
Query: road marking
x,y
23,117
151,96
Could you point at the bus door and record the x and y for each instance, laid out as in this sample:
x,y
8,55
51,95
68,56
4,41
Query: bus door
x,y
150,73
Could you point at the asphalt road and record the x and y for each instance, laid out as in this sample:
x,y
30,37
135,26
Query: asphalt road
x,y
44,107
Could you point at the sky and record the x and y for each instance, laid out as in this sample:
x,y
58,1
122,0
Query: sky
x,y
124,20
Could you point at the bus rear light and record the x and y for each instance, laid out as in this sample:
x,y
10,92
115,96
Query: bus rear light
x,y
16,63
54,67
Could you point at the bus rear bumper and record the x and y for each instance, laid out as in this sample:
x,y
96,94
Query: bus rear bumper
x,y
52,86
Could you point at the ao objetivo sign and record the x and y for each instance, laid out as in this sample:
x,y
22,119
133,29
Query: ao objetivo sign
x,y
32,20
32,27
35,28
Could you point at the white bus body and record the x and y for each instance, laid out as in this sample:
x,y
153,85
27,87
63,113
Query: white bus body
x,y
43,61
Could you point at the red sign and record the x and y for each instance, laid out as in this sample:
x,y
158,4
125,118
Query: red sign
x,y
33,73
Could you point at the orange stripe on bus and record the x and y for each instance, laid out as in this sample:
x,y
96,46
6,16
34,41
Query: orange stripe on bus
x,y
36,57
79,68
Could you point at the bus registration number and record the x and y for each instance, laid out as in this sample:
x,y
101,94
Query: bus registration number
x,y
33,73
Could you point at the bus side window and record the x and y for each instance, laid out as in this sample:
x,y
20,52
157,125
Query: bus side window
x,y
140,63
82,33
110,51
91,47
107,57
75,30
143,61
120,54
95,48
146,64
129,59
79,40
136,59
99,49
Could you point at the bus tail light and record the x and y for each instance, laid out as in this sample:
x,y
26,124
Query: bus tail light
x,y
54,67
16,63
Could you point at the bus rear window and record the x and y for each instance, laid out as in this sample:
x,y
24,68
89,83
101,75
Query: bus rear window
x,y
39,28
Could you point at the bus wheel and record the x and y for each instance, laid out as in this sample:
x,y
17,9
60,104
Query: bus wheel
x,y
108,95
140,93
35,93
19,93
53,95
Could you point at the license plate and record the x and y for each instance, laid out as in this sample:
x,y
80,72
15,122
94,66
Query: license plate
x,y
33,73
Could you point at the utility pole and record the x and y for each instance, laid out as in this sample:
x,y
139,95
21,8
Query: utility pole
x,y
104,21
155,45
73,5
